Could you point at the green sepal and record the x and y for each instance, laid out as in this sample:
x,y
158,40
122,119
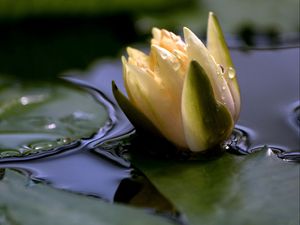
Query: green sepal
x,y
206,121
217,47
216,43
134,115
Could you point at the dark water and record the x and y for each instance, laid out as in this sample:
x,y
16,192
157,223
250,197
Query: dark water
x,y
99,167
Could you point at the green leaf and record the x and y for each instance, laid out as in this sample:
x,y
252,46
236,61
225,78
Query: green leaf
x,y
39,116
35,204
254,189
206,122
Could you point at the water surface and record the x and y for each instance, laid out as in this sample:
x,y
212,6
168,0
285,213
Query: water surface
x,y
98,166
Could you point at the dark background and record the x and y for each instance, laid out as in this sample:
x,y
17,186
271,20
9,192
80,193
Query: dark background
x,y
42,39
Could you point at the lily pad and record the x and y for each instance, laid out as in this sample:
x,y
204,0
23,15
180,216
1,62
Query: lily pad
x,y
35,204
254,189
42,116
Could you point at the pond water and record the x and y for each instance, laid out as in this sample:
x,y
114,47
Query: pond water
x,y
95,162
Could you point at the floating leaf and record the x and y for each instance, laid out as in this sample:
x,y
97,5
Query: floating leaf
x,y
254,189
39,204
41,116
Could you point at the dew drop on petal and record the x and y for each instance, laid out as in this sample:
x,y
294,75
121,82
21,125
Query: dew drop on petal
x,y
164,55
231,73
176,65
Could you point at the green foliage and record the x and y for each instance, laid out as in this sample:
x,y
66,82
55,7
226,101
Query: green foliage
x,y
36,204
41,116
254,189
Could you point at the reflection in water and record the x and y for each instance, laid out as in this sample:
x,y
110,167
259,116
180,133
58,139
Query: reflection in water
x,y
79,172
139,192
89,173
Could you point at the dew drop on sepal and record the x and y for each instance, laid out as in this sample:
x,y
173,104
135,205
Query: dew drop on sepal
x,y
231,73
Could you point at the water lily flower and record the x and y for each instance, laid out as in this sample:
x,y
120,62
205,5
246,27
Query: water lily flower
x,y
183,90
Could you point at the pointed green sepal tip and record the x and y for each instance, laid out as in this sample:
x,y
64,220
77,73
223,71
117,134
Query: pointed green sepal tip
x,y
216,43
206,122
217,47
135,116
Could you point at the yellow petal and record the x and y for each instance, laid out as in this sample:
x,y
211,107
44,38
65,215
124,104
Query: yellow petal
x,y
156,33
124,62
168,69
134,115
138,58
155,102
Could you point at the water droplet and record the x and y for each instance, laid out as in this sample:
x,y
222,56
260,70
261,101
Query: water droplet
x,y
231,73
51,126
176,66
9,153
63,141
223,88
26,100
42,146
164,55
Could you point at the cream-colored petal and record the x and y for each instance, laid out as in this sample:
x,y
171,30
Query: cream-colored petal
x,y
183,59
138,58
156,33
156,103
196,50
139,84
217,47
135,53
134,114
168,69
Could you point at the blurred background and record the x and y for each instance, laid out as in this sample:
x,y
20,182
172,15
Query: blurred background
x,y
43,38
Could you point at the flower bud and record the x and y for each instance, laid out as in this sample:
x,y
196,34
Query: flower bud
x,y
184,91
